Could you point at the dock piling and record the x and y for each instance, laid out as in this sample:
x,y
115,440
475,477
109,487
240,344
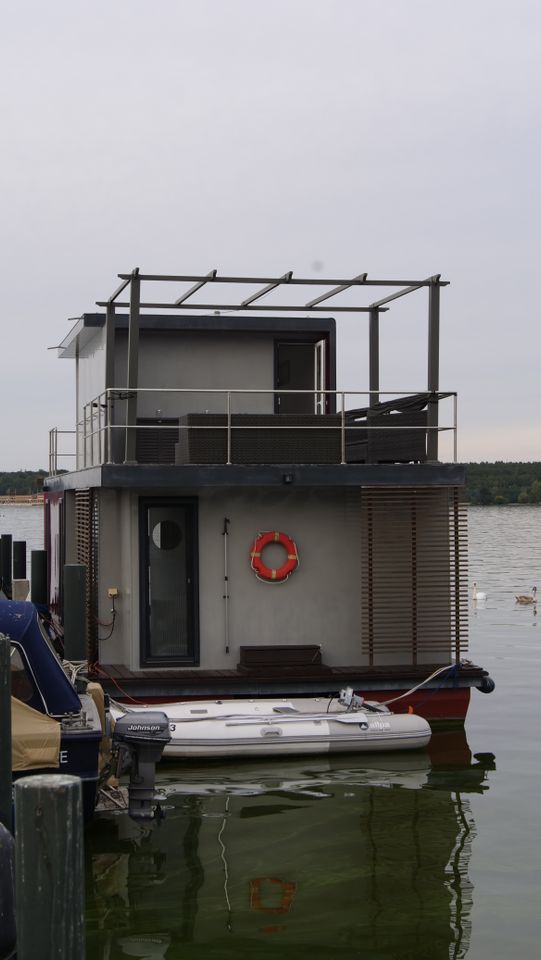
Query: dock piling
x,y
38,574
6,815
6,562
8,934
75,603
49,891
19,559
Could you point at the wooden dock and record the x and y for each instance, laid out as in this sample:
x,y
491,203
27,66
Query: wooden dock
x,y
22,499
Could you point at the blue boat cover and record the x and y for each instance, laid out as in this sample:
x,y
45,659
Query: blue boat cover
x,y
19,622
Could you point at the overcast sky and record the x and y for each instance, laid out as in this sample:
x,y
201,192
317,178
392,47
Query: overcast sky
x,y
397,137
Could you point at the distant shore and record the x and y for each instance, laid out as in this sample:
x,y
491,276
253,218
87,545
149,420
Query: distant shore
x,y
22,500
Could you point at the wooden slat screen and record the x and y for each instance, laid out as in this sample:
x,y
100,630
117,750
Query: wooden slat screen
x,y
87,541
414,574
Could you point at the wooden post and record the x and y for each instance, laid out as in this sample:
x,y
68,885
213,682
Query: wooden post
x,y
8,934
6,816
49,888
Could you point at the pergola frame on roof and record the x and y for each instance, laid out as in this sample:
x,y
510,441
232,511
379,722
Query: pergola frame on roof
x,y
134,279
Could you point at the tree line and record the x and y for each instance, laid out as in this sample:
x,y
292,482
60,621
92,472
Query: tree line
x,y
500,483
486,483
22,482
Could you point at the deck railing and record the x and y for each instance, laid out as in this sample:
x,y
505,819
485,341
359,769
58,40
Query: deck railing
x,y
103,434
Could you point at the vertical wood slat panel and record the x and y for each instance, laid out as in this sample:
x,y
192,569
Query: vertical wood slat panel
x,y
87,540
414,573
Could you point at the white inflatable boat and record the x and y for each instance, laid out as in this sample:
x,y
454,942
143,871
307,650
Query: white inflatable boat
x,y
257,728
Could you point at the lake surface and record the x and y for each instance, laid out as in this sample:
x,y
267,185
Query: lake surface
x,y
423,856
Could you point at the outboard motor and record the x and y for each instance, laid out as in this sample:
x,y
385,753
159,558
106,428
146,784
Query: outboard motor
x,y
138,742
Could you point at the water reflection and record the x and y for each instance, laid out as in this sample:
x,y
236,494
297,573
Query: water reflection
x,y
367,855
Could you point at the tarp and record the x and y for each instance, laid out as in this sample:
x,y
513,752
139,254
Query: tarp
x,y
35,738
56,696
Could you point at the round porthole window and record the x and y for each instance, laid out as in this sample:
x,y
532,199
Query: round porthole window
x,y
166,535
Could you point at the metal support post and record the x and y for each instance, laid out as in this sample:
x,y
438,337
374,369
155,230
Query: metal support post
x,y
433,367
49,892
133,366
374,357
109,374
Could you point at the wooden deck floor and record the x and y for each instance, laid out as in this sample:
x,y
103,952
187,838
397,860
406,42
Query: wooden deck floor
x,y
180,682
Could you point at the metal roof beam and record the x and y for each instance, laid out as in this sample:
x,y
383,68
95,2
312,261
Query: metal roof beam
x,y
302,281
236,307
271,286
429,282
119,289
332,293
196,287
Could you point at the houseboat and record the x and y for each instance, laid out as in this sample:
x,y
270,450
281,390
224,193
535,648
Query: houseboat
x,y
250,529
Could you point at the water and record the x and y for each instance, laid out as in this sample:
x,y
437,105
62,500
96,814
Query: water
x,y
24,523
415,857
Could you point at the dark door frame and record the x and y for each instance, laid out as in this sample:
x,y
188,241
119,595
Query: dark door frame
x,y
192,549
312,338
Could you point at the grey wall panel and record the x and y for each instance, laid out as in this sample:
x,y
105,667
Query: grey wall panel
x,y
318,604
173,359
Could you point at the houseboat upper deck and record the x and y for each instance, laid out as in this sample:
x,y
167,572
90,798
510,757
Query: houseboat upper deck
x,y
201,427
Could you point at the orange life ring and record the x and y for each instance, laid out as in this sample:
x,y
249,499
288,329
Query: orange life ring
x,y
287,894
270,574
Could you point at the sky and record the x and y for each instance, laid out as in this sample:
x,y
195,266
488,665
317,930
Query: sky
x,y
329,137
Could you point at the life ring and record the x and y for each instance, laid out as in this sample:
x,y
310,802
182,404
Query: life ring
x,y
288,890
269,574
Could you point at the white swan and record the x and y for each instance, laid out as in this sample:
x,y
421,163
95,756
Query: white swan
x,y
526,598
477,594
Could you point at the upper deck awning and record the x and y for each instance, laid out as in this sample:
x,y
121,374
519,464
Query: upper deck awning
x,y
229,299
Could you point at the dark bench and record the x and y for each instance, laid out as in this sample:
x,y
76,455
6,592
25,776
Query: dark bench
x,y
372,437
282,658
259,438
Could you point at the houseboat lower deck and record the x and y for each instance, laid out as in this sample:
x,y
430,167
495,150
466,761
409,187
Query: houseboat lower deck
x,y
445,697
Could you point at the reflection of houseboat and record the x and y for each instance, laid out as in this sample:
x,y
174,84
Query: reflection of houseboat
x,y
260,532
234,868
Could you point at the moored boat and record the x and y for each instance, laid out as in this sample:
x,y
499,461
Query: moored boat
x,y
258,728
56,728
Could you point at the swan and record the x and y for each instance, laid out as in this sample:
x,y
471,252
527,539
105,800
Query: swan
x,y
477,594
526,598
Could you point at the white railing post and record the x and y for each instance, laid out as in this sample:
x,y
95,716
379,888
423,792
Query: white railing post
x,y
455,428
84,435
343,430
109,417
229,427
